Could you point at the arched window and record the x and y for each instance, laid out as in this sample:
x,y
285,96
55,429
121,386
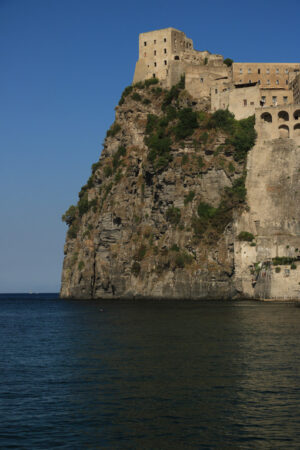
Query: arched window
x,y
284,131
176,57
267,117
283,116
297,130
297,114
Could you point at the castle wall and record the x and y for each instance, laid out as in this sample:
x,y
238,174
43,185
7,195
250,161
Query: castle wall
x,y
242,102
295,86
268,75
280,121
274,97
273,217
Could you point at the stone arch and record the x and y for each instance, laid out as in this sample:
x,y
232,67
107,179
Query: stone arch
x,y
284,131
297,114
297,130
267,117
283,116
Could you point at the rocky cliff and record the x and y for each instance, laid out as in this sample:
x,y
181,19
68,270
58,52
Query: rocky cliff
x,y
157,218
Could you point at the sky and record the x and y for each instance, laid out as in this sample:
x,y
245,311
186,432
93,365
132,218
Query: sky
x,y
64,65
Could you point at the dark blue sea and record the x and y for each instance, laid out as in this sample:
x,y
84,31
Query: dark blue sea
x,y
148,374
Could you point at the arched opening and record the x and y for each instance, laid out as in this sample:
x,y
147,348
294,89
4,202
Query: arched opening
x,y
266,117
297,114
284,131
176,58
283,116
297,130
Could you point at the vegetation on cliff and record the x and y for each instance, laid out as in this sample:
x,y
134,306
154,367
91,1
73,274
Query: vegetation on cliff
x,y
174,194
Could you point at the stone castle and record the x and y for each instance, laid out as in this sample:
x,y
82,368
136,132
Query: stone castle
x,y
271,91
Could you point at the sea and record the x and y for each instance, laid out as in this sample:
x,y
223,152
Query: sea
x,y
148,374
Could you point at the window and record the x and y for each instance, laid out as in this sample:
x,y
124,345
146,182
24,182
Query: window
x,y
251,103
245,102
176,57
277,70
241,70
268,81
201,80
285,99
165,62
165,39
154,75
155,64
268,70
286,70
249,70
154,52
145,43
250,81
258,70
277,81
274,100
286,81
165,50
154,41
258,81
216,91
240,81
263,98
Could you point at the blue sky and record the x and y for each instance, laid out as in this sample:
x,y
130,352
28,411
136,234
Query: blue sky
x,y
64,64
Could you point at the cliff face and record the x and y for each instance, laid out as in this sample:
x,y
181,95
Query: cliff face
x,y
156,217
182,204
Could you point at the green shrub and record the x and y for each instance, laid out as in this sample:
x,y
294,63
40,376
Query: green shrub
x,y
83,205
277,269
228,62
73,230
200,162
245,236
231,167
114,129
243,138
141,253
116,158
184,159
70,215
181,83
238,190
136,96
146,101
223,119
189,197
173,215
293,266
174,248
125,93
118,176
107,171
139,85
283,260
253,244
186,124
135,268
95,166
204,138
80,265
182,259
151,81
152,122
206,211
